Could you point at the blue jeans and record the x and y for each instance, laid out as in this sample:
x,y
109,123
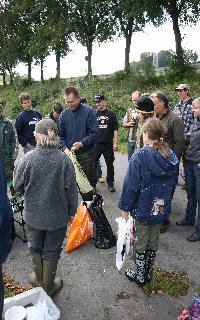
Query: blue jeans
x,y
131,148
192,184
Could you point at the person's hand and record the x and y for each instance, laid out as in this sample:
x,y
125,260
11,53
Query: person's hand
x,y
115,147
67,151
131,123
76,146
125,215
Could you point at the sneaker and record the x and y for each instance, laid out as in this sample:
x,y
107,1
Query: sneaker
x,y
193,237
101,180
111,188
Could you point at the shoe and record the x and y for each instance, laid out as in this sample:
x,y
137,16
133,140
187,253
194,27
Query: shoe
x,y
51,285
194,237
164,226
111,188
184,223
150,258
36,278
140,269
101,180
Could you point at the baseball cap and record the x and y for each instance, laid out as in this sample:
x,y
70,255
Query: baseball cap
x,y
44,125
182,86
99,97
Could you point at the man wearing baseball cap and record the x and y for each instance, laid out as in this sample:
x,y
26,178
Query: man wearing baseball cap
x,y
107,141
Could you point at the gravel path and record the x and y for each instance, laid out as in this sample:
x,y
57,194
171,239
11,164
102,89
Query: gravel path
x,y
92,281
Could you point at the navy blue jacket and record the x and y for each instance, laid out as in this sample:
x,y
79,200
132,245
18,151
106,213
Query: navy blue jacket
x,y
25,126
78,126
5,218
148,186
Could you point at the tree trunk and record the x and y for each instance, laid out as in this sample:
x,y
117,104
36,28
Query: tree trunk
x,y
29,69
178,40
58,56
89,51
128,36
42,68
4,77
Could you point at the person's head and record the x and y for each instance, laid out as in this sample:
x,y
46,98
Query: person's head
x,y
196,108
46,133
71,97
57,109
153,132
161,103
145,108
135,96
100,101
183,91
25,101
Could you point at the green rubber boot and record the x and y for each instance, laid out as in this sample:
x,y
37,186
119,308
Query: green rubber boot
x,y
50,284
36,277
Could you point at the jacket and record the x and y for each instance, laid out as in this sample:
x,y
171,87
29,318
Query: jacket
x,y
174,137
46,178
5,218
193,151
7,140
148,186
79,125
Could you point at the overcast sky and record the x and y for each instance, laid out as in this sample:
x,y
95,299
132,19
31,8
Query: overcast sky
x,y
109,57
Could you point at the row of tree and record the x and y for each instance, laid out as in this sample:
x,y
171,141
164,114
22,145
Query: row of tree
x,y
31,30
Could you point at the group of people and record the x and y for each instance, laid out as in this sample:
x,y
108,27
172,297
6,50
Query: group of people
x,y
158,139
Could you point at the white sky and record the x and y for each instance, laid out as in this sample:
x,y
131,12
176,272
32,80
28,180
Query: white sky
x,y
109,57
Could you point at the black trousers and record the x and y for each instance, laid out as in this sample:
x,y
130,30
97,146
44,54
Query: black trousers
x,y
1,292
106,149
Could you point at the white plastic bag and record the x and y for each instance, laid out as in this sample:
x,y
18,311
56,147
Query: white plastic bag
x,y
124,239
40,310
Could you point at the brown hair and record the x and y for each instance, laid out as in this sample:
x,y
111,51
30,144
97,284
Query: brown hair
x,y
156,130
69,90
24,96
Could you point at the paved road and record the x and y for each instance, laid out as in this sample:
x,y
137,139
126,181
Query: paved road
x,y
92,282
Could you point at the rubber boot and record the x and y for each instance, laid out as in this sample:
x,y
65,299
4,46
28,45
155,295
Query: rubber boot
x,y
51,285
139,274
36,277
150,258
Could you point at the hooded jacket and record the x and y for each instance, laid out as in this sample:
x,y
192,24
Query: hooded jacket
x,y
148,186
5,218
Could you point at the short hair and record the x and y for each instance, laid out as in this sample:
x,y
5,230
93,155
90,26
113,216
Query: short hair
x,y
24,96
196,101
73,90
161,97
57,107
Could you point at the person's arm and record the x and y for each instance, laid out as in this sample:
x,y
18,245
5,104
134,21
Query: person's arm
x,y
19,175
19,125
131,186
128,124
178,137
62,134
93,130
115,142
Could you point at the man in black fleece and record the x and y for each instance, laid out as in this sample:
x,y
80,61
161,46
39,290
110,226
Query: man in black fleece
x,y
25,123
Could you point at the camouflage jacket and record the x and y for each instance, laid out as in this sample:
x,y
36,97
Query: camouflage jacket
x,y
7,140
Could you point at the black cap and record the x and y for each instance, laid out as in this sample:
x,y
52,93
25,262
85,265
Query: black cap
x,y
99,97
145,105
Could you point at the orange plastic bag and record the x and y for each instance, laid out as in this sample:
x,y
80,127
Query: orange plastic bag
x,y
80,229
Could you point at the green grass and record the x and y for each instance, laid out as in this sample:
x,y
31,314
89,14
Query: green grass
x,y
175,284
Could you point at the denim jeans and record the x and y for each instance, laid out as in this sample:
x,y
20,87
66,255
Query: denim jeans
x,y
192,183
47,243
106,149
98,170
131,148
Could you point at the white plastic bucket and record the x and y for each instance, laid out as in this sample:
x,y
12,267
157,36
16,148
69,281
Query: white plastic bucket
x,y
16,313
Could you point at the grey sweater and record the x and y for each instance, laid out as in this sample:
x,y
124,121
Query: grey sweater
x,y
46,178
193,151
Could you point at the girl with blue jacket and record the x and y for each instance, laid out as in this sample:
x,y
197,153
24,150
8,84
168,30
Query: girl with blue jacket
x,y
147,195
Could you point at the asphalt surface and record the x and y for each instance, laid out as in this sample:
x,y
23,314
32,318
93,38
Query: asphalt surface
x,y
92,282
